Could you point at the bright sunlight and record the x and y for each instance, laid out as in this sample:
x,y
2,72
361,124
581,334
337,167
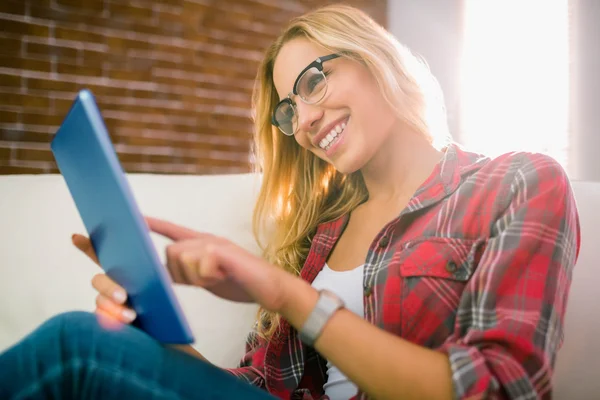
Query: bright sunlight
x,y
514,77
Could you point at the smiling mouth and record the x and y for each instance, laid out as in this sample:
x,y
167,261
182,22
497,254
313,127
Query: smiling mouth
x,y
332,136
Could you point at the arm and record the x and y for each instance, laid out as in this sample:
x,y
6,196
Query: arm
x,y
371,357
511,326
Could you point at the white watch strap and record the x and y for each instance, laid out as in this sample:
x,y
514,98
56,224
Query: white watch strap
x,y
327,304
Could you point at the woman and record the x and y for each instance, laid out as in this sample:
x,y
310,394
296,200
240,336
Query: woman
x,y
396,264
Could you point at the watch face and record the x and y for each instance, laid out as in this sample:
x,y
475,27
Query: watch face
x,y
327,304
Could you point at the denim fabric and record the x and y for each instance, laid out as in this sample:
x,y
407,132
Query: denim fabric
x,y
73,356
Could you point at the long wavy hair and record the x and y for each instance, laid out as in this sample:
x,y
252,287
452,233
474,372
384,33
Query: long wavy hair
x,y
299,191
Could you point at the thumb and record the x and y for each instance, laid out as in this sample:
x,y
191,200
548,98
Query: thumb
x,y
84,244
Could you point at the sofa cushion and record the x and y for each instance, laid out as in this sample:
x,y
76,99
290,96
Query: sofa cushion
x,y
43,274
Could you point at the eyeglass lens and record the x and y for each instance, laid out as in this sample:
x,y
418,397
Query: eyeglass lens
x,y
311,88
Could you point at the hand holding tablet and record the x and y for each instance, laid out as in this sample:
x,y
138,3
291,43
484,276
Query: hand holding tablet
x,y
117,231
120,237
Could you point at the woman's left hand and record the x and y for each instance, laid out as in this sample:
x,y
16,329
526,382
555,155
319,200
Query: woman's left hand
x,y
221,267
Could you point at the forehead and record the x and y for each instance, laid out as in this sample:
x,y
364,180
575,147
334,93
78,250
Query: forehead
x,y
293,57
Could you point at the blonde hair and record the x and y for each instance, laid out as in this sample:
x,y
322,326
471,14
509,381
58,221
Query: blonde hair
x,y
299,191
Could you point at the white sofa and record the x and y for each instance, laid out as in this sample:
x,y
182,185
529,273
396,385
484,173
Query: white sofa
x,y
42,274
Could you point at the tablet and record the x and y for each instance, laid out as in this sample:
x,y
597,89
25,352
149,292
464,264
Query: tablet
x,y
88,162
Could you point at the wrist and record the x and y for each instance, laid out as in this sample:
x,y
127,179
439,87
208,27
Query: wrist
x,y
298,300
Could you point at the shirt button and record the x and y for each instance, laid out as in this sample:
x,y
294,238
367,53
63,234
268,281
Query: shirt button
x,y
384,241
451,266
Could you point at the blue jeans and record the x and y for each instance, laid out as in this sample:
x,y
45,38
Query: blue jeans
x,y
71,356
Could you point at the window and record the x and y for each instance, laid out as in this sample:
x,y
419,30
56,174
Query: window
x,y
515,77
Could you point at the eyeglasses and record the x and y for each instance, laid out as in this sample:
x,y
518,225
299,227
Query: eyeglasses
x,y
310,86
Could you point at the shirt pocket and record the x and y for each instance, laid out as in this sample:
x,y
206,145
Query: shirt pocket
x,y
434,273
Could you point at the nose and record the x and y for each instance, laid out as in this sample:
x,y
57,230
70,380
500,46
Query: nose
x,y
308,116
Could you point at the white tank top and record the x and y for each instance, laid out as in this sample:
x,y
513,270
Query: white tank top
x,y
348,285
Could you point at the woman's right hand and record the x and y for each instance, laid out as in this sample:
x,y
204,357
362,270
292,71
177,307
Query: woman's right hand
x,y
111,297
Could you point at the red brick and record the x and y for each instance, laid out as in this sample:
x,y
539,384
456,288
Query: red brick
x,y
60,15
22,63
154,92
176,24
61,106
46,50
10,45
9,117
46,12
120,44
146,28
16,7
34,154
31,118
10,81
88,6
20,136
24,28
120,10
130,75
171,4
99,90
154,142
79,35
23,100
50,85
5,153
145,94
87,70
28,166
13,170
96,56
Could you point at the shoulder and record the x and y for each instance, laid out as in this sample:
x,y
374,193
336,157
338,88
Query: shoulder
x,y
536,188
520,170
533,171
517,179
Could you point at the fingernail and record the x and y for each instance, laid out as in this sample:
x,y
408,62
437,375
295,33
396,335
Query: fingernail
x,y
119,296
129,314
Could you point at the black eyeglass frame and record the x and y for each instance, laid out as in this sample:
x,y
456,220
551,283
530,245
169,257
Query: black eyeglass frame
x,y
318,64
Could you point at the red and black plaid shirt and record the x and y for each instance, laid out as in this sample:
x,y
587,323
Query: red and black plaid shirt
x,y
478,266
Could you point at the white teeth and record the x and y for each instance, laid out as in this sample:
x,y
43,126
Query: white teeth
x,y
327,140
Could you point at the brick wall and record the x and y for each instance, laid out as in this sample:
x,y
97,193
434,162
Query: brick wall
x,y
173,77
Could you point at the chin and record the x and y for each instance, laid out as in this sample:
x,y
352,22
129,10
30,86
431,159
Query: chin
x,y
347,166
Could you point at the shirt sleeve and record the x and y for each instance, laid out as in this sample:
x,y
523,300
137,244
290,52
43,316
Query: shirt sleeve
x,y
251,367
509,324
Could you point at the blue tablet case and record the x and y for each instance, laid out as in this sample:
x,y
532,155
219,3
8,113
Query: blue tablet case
x,y
88,162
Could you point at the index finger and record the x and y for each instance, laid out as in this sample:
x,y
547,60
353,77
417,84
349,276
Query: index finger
x,y
170,230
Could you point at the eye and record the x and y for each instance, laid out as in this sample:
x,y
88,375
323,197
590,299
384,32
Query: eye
x,y
314,82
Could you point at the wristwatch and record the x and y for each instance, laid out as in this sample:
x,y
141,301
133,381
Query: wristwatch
x,y
327,304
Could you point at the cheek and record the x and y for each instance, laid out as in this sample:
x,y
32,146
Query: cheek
x,y
302,140
373,113
361,94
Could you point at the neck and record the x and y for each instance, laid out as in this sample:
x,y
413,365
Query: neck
x,y
400,167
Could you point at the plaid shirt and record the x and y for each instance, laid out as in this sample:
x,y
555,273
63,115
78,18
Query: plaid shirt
x,y
477,266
